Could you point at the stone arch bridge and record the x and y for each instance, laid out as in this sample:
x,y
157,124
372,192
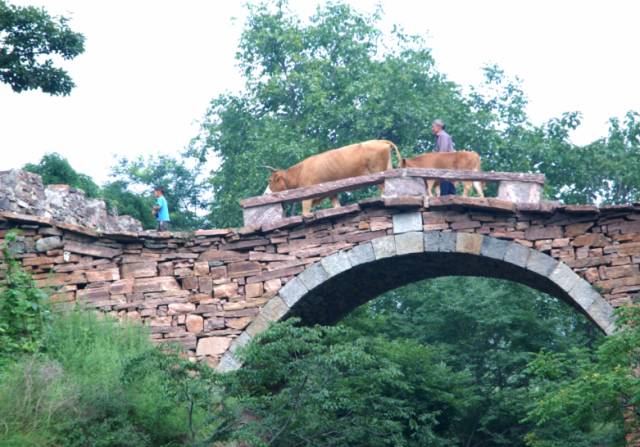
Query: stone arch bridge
x,y
214,290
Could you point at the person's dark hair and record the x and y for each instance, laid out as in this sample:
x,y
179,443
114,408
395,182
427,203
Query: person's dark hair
x,y
160,189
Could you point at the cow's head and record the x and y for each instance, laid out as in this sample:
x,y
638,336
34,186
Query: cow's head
x,y
277,180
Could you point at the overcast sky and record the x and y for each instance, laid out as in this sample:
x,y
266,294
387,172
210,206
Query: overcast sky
x,y
151,67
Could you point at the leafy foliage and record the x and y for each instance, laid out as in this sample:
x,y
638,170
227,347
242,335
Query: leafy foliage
x,y
23,307
55,169
133,181
327,386
580,397
101,383
493,342
29,37
180,179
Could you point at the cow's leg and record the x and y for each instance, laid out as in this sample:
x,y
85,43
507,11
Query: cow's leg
x,y
478,187
467,188
335,202
306,207
430,188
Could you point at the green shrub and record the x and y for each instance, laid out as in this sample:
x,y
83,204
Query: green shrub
x,y
23,307
35,399
98,382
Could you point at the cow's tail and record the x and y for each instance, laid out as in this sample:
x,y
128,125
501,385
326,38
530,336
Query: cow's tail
x,y
398,154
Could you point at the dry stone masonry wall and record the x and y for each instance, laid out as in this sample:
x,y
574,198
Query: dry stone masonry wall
x,y
206,290
23,192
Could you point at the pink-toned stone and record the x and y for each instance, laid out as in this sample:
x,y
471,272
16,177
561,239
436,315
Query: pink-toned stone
x,y
205,284
159,284
160,321
201,268
190,283
165,269
253,290
272,285
140,269
218,272
123,286
111,274
212,345
238,269
238,323
194,323
590,240
225,290
181,308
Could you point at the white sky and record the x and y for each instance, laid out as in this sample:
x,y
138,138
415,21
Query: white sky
x,y
151,67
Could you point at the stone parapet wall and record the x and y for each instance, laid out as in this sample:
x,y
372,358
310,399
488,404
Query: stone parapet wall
x,y
23,192
202,290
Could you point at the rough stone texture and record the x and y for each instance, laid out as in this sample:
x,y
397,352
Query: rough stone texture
x,y
194,323
411,242
361,254
313,276
564,277
384,247
404,222
23,192
336,263
212,346
494,248
447,242
404,186
519,192
48,243
228,284
540,263
469,243
293,291
263,215
517,255
583,294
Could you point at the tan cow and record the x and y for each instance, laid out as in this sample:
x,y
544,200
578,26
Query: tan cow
x,y
460,160
336,164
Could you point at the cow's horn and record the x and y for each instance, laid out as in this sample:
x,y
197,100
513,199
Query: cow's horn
x,y
270,168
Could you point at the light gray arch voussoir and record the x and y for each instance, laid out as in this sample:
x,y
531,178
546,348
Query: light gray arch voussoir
x,y
582,294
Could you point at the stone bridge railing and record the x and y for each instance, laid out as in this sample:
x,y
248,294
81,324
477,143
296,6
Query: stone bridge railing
x,y
401,187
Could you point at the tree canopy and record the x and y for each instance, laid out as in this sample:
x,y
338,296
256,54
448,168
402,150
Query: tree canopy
x,y
337,78
30,39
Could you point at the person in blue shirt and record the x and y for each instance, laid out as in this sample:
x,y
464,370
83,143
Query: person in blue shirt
x,y
161,209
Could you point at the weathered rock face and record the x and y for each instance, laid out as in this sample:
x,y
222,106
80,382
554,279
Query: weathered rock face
x,y
23,192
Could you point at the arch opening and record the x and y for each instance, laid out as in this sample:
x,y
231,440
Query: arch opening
x,y
327,291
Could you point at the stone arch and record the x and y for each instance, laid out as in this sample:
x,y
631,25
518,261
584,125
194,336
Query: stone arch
x,y
329,289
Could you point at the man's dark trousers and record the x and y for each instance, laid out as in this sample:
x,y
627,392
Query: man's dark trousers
x,y
447,188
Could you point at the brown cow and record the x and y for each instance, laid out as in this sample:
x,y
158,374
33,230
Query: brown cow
x,y
460,160
348,161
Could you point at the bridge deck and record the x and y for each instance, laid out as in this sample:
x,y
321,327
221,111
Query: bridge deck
x,y
353,183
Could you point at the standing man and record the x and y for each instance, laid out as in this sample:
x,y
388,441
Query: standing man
x,y
161,209
443,144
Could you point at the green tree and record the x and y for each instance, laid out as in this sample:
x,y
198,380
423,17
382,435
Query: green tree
x,y
179,177
578,398
489,328
330,386
55,169
320,84
29,37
